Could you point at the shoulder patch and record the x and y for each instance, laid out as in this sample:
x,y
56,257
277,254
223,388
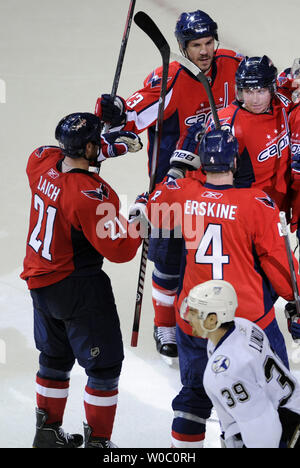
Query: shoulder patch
x,y
98,194
39,151
172,184
220,364
266,201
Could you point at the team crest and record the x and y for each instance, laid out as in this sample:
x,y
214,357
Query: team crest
x,y
172,184
266,201
97,194
220,364
79,124
155,80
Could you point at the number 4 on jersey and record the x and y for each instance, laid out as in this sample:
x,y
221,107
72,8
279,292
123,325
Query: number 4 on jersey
x,y
212,238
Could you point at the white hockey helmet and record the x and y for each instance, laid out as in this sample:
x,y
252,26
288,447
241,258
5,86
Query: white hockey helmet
x,y
214,297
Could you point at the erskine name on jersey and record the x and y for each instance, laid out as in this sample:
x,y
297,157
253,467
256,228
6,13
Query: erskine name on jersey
x,y
212,209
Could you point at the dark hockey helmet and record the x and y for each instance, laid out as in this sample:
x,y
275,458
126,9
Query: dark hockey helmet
x,y
74,131
194,25
255,72
218,150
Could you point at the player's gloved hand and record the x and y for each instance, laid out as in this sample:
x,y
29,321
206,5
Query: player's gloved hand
x,y
185,157
137,211
295,74
296,165
111,110
293,320
118,143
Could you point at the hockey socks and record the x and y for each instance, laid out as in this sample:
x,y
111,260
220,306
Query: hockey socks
x,y
51,396
187,433
163,304
100,409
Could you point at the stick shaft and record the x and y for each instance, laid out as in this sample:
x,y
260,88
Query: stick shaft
x,y
285,233
150,28
121,54
123,48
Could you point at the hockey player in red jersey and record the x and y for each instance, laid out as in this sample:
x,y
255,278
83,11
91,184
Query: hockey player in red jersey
x,y
259,120
229,234
294,124
75,224
186,103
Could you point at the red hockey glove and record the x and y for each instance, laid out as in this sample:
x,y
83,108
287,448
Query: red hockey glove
x,y
118,143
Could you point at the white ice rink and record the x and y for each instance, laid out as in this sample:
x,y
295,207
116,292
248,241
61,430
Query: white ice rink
x,y
56,58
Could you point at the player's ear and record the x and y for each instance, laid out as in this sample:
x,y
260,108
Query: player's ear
x,y
211,321
89,150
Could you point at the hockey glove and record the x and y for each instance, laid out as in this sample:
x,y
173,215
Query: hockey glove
x,y
296,166
185,157
293,320
138,213
112,111
118,143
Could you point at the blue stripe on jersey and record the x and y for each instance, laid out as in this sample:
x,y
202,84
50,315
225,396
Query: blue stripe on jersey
x,y
269,294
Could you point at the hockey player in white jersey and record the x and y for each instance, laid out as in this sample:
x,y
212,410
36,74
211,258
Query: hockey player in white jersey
x,y
256,397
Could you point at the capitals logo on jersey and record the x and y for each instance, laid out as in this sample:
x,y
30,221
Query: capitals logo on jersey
x,y
98,194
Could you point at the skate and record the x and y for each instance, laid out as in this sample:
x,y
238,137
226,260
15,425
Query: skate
x,y
165,338
95,442
52,435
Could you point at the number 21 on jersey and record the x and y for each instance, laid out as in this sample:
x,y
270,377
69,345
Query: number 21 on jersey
x,y
212,239
35,242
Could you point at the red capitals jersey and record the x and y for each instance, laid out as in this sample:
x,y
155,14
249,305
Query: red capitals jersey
x,y
74,222
294,124
264,148
186,103
229,234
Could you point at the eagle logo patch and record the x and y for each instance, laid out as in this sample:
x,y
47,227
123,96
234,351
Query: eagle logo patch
x,y
266,201
97,194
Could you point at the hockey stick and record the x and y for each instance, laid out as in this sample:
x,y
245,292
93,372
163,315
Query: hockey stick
x,y
295,437
202,78
149,27
121,54
285,234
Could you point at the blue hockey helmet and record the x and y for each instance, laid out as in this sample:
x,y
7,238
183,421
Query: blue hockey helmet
x,y
255,72
218,150
194,25
75,130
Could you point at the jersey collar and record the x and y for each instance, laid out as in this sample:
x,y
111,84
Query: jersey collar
x,y
231,329
218,187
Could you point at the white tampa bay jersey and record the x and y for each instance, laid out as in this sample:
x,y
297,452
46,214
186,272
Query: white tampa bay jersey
x,y
246,383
